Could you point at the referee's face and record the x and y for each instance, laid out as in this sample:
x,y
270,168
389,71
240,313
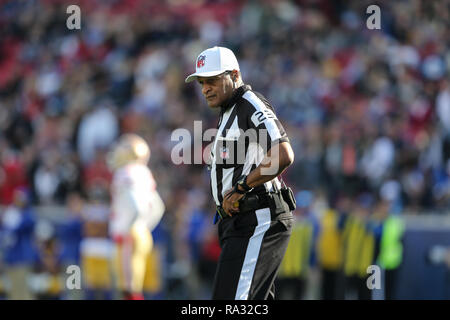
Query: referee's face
x,y
217,89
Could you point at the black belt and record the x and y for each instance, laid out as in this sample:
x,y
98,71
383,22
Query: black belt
x,y
250,202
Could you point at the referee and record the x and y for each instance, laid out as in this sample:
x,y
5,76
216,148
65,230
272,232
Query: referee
x,y
250,150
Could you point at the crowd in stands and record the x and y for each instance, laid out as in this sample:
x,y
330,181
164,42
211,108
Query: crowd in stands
x,y
367,113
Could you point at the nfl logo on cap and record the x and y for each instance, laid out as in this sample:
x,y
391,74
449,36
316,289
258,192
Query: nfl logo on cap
x,y
201,61
214,61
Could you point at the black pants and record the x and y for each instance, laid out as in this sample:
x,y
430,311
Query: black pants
x,y
253,245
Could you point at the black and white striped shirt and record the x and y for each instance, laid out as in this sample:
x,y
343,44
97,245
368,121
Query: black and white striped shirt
x,y
247,129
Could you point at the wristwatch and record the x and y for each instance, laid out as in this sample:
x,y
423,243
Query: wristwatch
x,y
242,181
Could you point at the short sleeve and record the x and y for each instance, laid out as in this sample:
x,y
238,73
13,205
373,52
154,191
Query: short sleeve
x,y
263,119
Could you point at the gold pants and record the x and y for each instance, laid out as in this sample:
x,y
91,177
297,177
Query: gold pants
x,y
130,259
152,281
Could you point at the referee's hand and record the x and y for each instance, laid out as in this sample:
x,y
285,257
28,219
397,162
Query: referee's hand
x,y
231,202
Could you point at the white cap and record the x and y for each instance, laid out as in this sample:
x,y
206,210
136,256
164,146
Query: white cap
x,y
214,61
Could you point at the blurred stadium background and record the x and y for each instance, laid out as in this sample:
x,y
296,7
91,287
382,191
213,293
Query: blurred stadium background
x,y
367,112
